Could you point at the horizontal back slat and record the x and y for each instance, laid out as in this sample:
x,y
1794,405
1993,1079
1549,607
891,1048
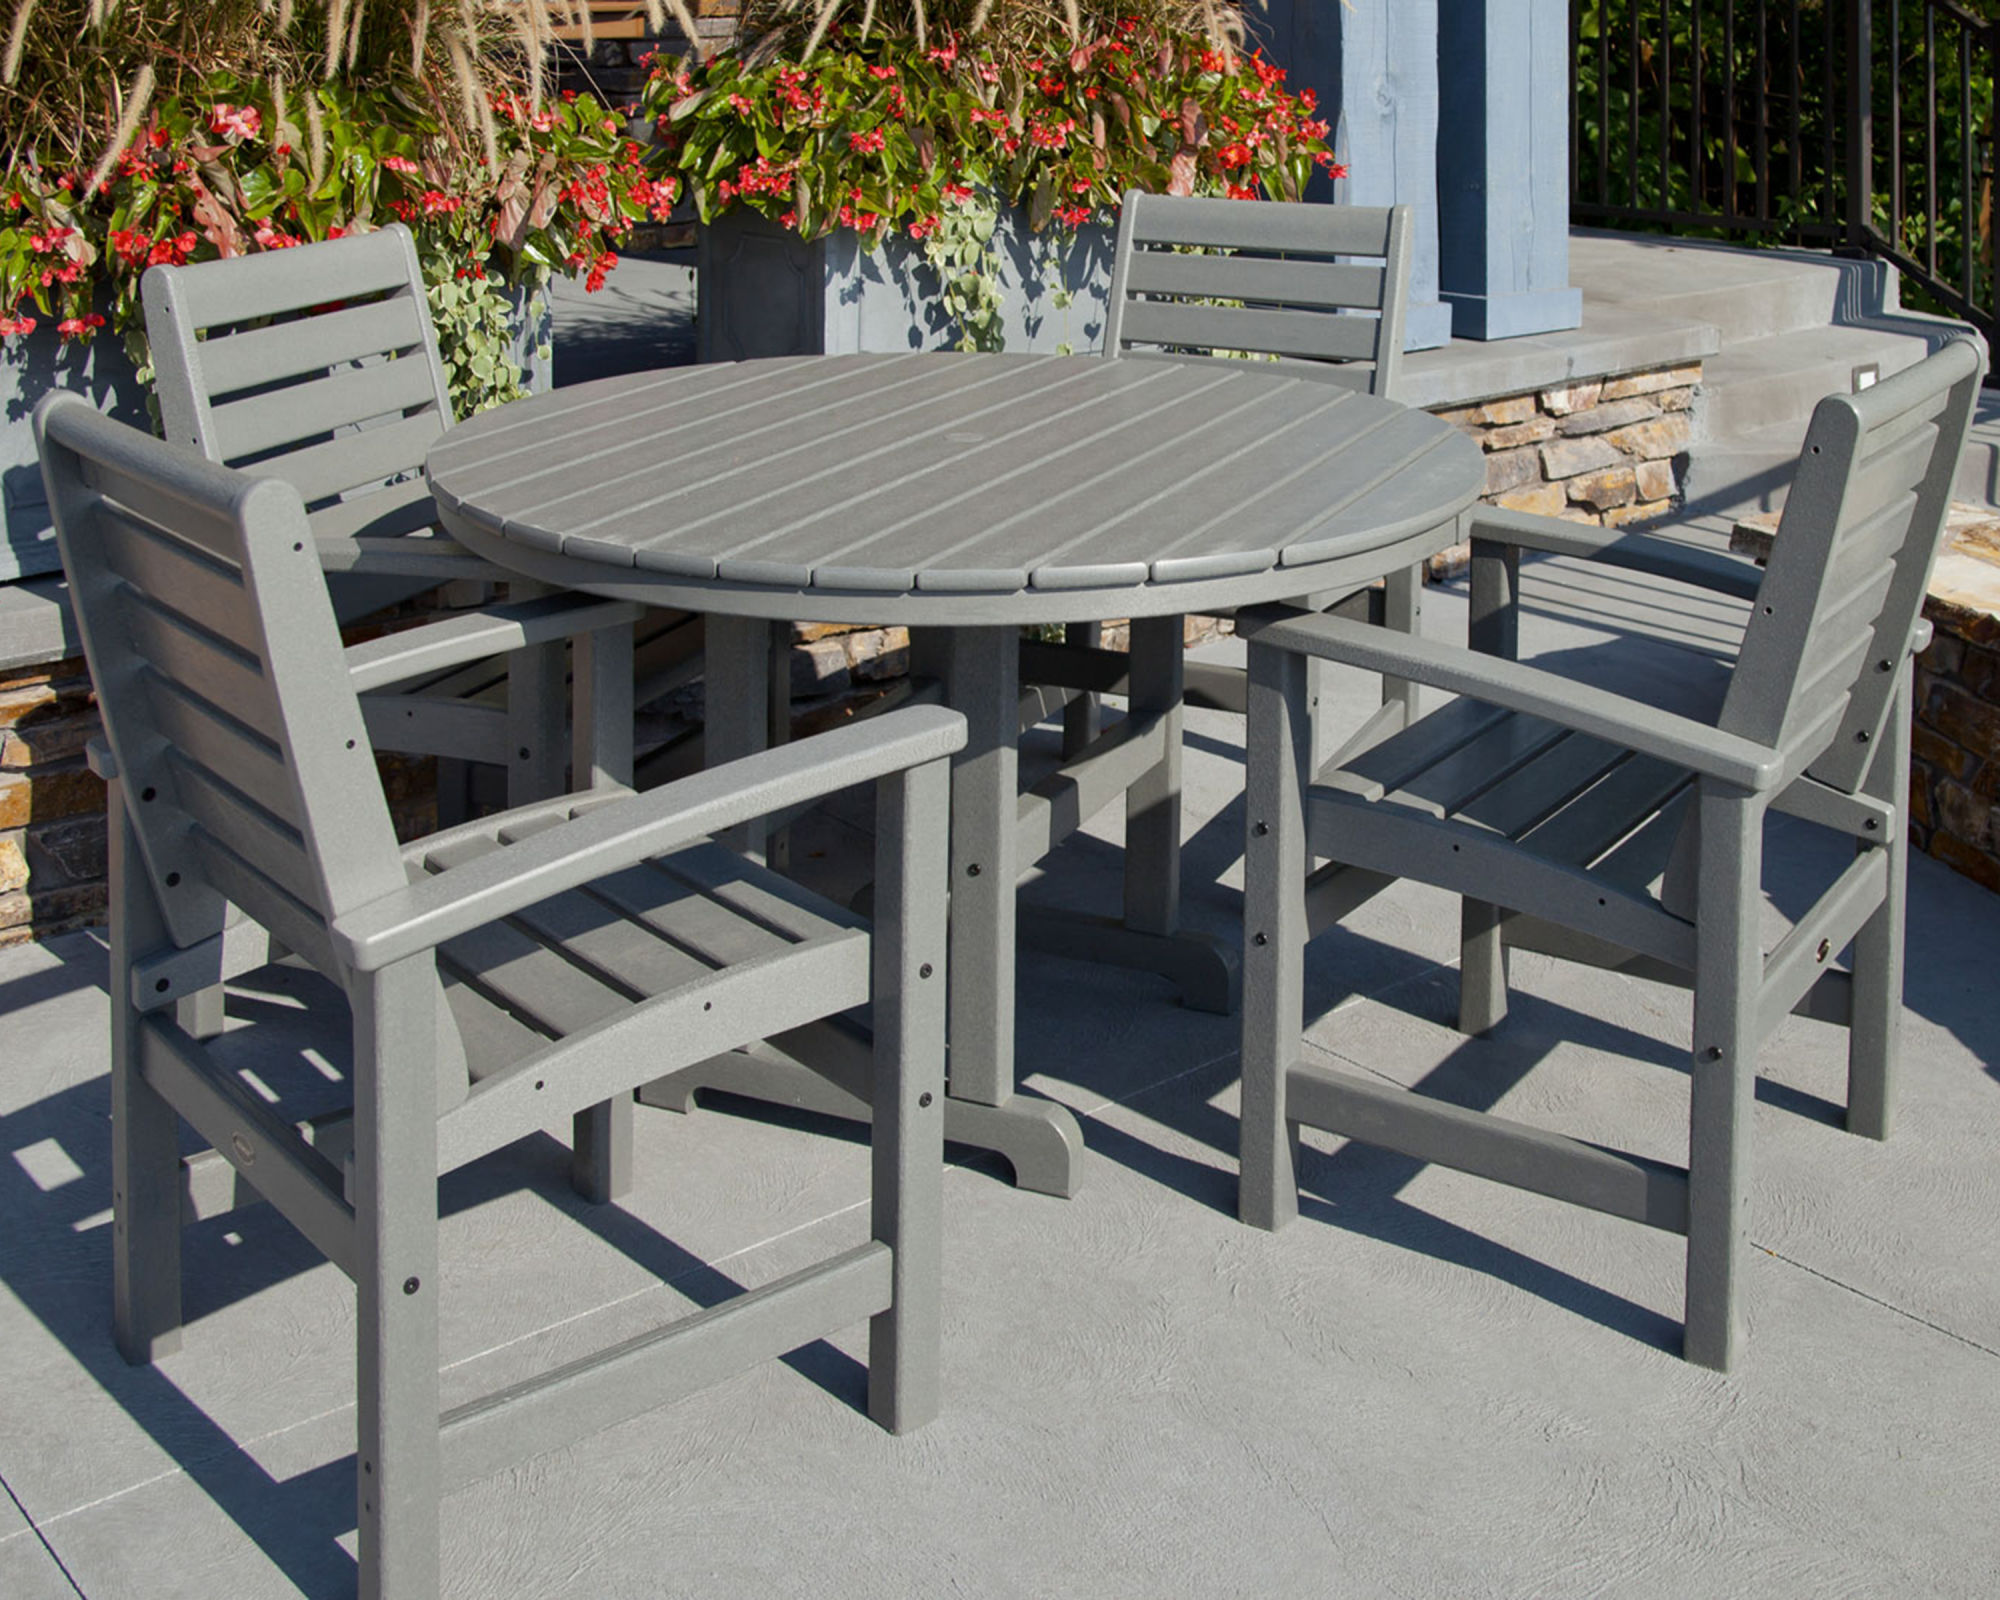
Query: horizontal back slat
x,y
202,589
355,460
218,670
265,842
288,416
299,928
1329,230
275,282
1866,545
151,507
208,736
259,356
1889,477
1826,683
1256,278
1316,335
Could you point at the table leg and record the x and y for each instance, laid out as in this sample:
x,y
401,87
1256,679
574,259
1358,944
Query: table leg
x,y
736,707
1039,1138
1207,972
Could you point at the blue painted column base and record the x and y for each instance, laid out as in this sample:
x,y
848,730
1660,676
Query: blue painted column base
x,y
1509,316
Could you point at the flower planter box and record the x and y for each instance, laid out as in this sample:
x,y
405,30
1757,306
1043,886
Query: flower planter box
x,y
32,367
29,369
764,291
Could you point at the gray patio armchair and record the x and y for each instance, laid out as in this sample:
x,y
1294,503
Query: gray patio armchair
x,y
320,365
1593,827
501,974
1320,290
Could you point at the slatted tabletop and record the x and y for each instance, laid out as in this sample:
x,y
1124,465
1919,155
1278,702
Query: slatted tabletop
x,y
954,488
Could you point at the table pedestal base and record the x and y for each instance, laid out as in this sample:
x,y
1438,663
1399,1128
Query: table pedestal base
x,y
1207,972
1039,1139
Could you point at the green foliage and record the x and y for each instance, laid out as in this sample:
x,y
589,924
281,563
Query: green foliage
x,y
959,250
1673,105
474,318
234,167
880,132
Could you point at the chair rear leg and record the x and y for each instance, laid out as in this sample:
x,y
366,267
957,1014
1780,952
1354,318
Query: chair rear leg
x,y
1083,717
1728,971
145,1133
397,1454
1874,1024
1482,967
905,1342
600,1159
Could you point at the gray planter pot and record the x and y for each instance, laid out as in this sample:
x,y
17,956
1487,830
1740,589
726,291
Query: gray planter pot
x,y
764,291
29,369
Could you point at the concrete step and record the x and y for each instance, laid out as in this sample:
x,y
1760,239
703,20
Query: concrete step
x,y
1743,294
1751,470
1754,384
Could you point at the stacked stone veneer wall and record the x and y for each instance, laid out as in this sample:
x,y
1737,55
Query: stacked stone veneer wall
x,y
52,844
1601,450
1955,742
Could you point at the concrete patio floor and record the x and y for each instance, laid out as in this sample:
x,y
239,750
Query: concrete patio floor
x,y
1428,1386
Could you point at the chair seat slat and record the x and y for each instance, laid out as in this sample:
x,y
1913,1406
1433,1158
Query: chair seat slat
x,y
1446,786
311,344
289,416
1538,789
1393,762
659,896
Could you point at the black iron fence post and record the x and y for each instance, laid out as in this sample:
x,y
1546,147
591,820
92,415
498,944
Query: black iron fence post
x,y
1860,122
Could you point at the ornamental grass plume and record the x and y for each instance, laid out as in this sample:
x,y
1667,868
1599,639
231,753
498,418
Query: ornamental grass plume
x,y
76,75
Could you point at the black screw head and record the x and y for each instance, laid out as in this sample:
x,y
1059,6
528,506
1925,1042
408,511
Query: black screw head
x,y
1261,829
924,971
972,870
173,880
1260,938
924,1099
149,794
412,1285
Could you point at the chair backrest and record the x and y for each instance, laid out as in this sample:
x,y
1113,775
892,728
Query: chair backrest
x,y
274,362
1832,622
218,668
1316,283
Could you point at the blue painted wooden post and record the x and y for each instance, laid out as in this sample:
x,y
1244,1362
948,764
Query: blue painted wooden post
x,y
1373,64
1503,168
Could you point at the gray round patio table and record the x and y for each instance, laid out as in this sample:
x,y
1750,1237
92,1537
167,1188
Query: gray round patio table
x,y
962,496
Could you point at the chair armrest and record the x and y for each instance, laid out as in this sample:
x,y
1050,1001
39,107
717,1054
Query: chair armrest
x,y
476,635
1640,552
606,836
1498,681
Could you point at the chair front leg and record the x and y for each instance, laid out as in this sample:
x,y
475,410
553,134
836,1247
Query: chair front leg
x,y
905,1342
1729,969
145,1134
397,1457
1493,628
1279,740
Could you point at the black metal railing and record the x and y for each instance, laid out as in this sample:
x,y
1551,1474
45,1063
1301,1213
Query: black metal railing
x,y
1867,125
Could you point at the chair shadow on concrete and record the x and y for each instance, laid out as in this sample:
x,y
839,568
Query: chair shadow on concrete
x,y
55,1260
